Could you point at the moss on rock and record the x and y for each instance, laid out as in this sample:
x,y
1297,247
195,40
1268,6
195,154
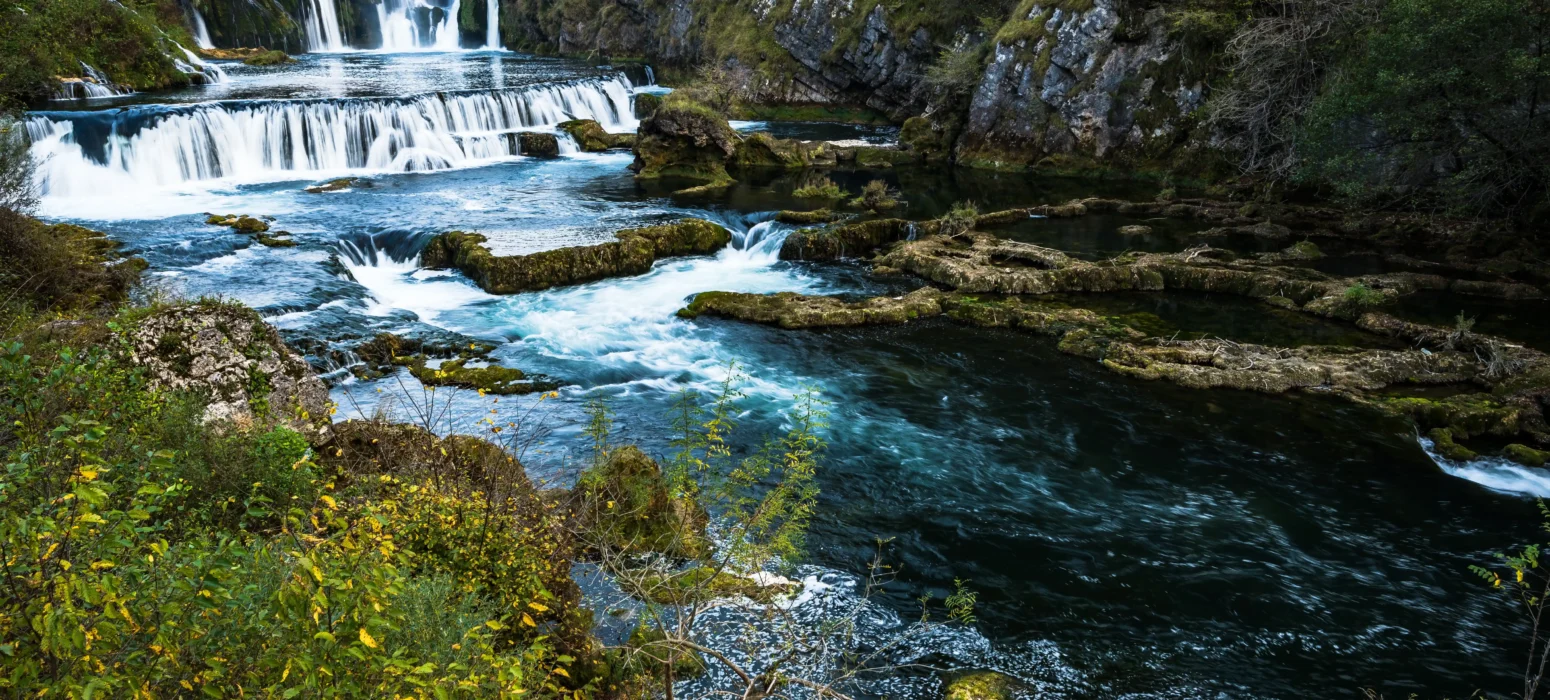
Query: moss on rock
x,y
538,145
625,503
269,58
980,685
684,139
1526,456
805,218
633,253
240,224
1443,444
792,310
591,137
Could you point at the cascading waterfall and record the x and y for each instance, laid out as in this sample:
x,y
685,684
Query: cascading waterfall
x,y
201,31
492,25
321,18
199,68
414,25
147,148
94,86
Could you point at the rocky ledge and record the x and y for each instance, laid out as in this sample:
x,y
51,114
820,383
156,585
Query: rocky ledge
x,y
591,137
227,352
632,254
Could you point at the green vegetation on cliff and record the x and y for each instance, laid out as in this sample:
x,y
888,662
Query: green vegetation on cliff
x,y
129,41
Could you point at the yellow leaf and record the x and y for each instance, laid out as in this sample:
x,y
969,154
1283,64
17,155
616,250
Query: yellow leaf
x,y
329,501
539,607
561,671
526,620
367,640
88,474
1520,576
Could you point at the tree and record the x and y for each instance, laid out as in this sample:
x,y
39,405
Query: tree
x,y
1444,101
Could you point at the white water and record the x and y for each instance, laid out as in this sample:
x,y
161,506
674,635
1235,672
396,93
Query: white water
x,y
409,25
492,26
201,31
1495,473
196,65
321,18
156,149
94,86
625,324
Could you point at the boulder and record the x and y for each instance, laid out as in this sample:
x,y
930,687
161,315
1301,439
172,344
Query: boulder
x,y
623,503
227,352
538,145
684,139
646,105
591,137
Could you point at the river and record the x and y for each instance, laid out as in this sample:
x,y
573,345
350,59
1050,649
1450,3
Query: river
x,y
1126,539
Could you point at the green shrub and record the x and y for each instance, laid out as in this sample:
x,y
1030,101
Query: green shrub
x,y
959,220
1361,296
875,197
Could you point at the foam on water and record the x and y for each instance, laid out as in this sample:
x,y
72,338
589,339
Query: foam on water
x,y
1495,473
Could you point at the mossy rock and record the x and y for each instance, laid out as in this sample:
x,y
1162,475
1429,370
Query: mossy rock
x,y
592,138
538,145
646,105
280,240
849,240
684,139
491,379
1526,456
240,224
928,140
1443,444
792,310
632,254
805,218
1464,416
981,685
1303,250
875,157
369,448
332,185
269,58
625,503
761,150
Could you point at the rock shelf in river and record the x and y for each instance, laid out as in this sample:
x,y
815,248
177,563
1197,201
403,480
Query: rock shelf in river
x,y
632,254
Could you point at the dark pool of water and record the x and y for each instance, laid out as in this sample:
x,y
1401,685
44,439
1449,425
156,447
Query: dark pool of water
x,y
1526,322
1192,315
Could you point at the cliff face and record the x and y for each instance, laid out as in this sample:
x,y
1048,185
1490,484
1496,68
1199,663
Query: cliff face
x,y
1107,81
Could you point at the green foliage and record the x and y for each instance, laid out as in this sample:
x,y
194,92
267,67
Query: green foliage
x,y
959,220
960,604
1442,86
1528,584
146,555
48,38
1361,296
875,197
819,188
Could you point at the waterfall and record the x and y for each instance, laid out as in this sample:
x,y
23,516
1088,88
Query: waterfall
x,y
415,25
196,66
152,147
322,20
201,31
492,25
93,86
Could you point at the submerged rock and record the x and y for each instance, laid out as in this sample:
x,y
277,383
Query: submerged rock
x,y
332,185
632,254
538,145
1135,230
981,685
228,353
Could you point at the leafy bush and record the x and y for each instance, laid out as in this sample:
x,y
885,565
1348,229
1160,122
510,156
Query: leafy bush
x,y
1445,87
959,220
875,197
48,38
